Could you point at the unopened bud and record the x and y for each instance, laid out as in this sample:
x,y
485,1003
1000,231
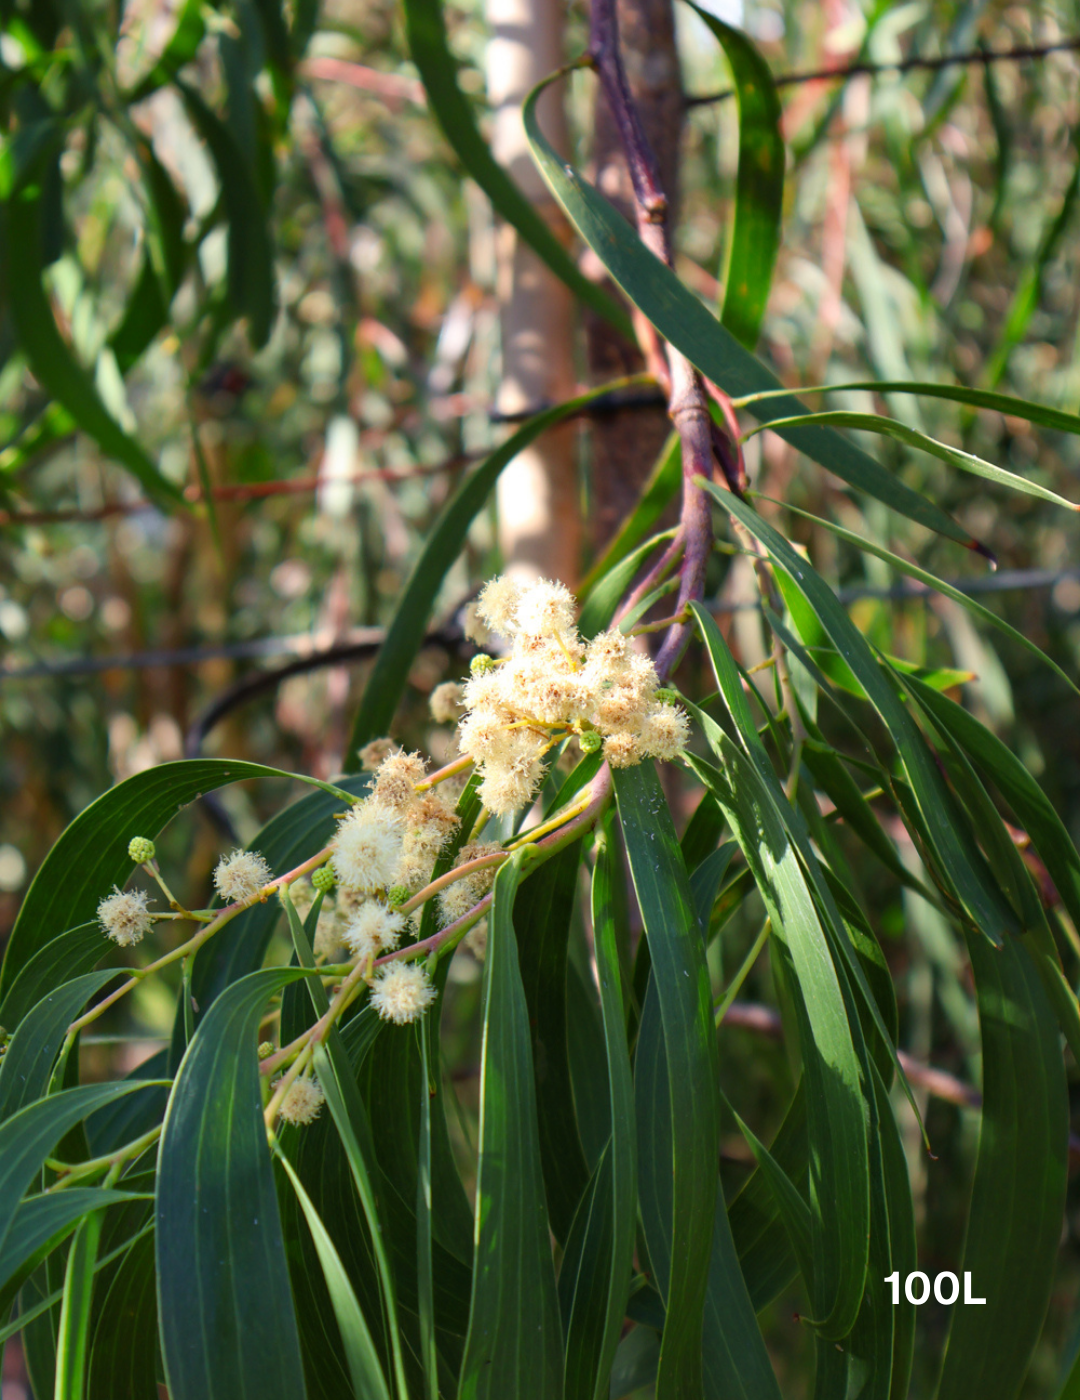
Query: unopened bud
x,y
397,895
590,741
323,879
141,849
266,1049
482,664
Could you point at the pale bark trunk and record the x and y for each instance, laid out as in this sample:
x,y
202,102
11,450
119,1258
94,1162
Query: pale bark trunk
x,y
538,494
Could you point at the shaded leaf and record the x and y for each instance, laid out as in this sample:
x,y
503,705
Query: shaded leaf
x,y
514,1327
1018,1193
681,978
227,1322
50,359
759,184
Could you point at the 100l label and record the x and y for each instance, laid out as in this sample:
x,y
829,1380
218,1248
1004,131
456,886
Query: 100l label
x,y
917,1289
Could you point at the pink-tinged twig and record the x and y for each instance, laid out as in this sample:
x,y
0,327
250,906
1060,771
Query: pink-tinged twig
x,y
391,87
653,578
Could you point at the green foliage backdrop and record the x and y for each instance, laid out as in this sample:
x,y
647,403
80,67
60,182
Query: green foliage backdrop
x,y
646,1078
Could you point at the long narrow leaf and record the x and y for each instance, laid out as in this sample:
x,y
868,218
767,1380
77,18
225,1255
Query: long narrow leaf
x,y
889,427
49,357
72,1344
228,1328
514,1327
362,1359
1018,1195
904,566
681,978
759,184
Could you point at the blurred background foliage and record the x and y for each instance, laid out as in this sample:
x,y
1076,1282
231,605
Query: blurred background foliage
x,y
274,277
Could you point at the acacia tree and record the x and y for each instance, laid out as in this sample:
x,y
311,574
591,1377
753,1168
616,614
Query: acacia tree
x,y
275,1204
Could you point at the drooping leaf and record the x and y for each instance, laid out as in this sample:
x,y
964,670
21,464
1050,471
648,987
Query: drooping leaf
x,y
1043,414
1018,1193
181,48
890,427
542,924
514,1327
594,1284
960,861
251,281
734,1361
227,1321
839,1180
762,1243
29,1135
73,1339
759,184
368,1381
1023,794
43,1221
973,606
65,957
27,1065
50,359
681,978
124,1345
338,1079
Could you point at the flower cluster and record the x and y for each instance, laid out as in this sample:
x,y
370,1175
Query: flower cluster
x,y
553,684
384,850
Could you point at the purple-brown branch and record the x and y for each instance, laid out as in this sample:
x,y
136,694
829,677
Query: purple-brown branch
x,y
687,406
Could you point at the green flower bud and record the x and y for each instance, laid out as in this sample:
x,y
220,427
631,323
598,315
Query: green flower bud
x,y
669,697
480,665
141,849
397,895
590,741
265,1050
323,879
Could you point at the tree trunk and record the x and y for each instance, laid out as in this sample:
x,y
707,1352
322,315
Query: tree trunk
x,y
625,445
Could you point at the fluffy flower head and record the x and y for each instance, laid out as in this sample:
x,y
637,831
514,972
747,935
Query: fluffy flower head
x,y
546,609
665,732
368,848
303,1100
402,992
373,929
497,605
396,779
371,755
447,702
125,917
241,876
